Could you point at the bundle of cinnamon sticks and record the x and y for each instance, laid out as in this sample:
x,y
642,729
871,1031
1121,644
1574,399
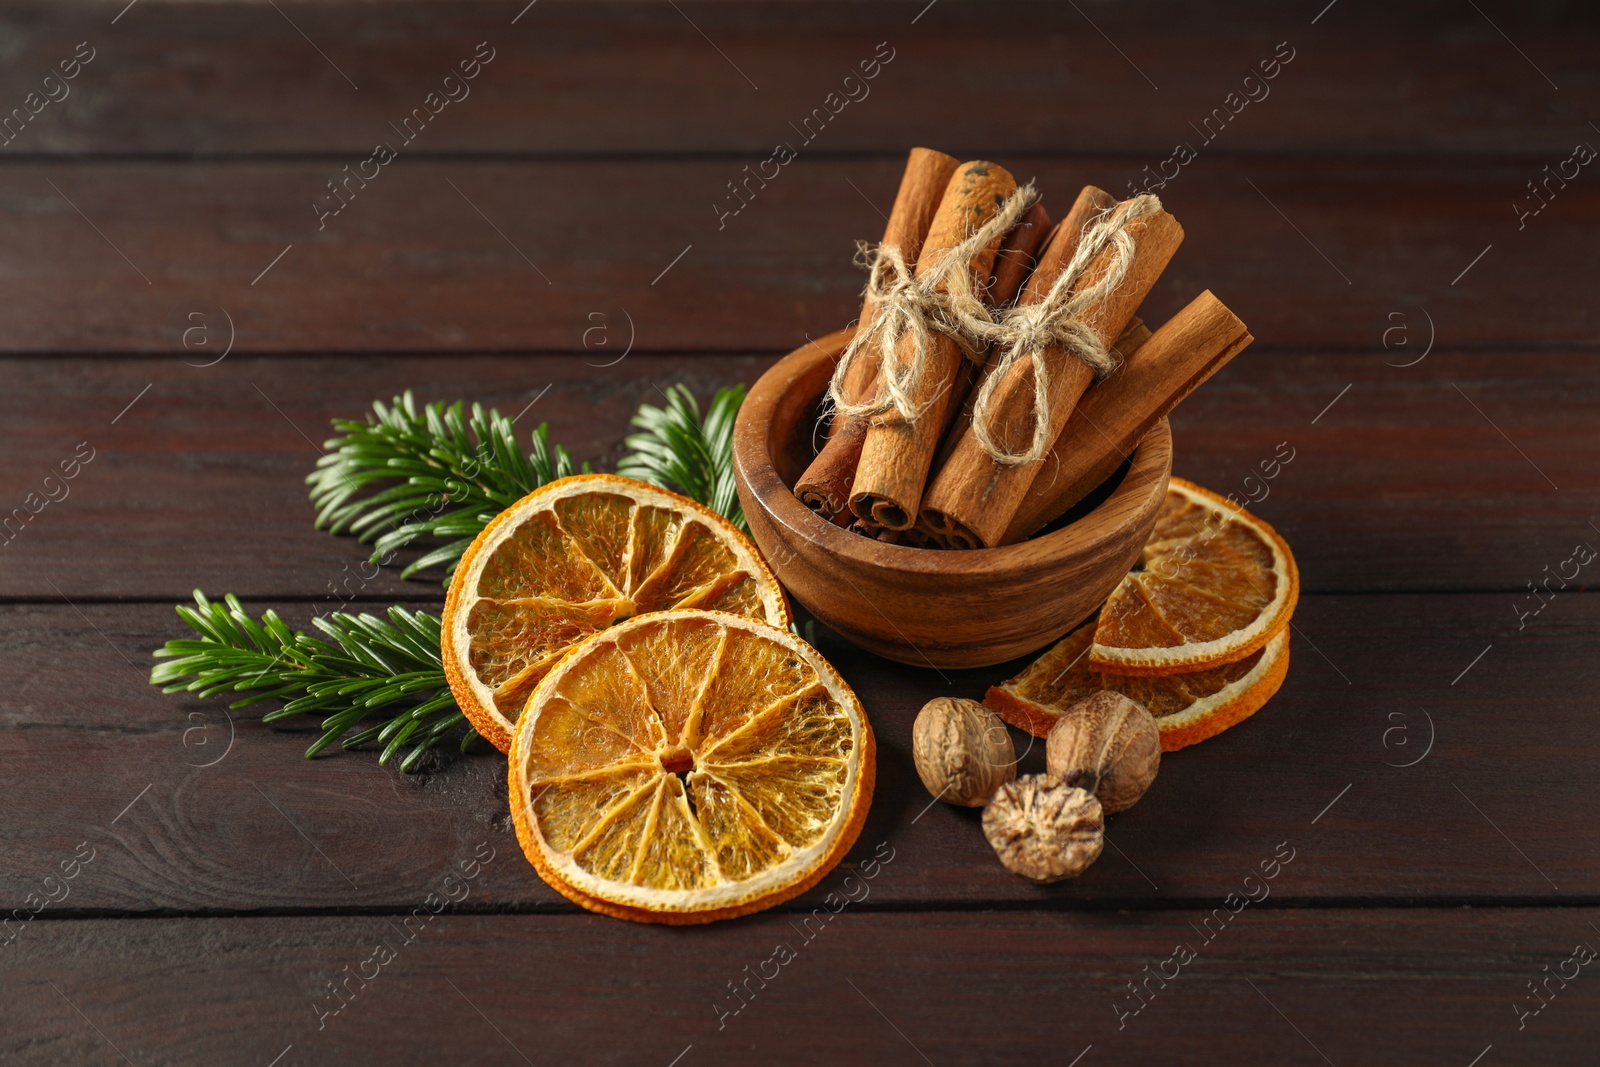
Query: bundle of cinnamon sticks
x,y
1003,412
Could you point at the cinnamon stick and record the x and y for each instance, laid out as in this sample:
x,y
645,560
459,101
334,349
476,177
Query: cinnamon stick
x,y
824,487
1114,416
1135,335
1064,238
877,533
975,497
1012,265
897,452
1017,255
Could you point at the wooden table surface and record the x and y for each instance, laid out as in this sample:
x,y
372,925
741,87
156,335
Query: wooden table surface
x,y
1396,216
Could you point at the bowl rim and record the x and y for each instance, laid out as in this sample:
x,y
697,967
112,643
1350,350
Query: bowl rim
x,y
1151,460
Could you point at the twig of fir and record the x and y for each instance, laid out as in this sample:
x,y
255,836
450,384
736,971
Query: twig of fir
x,y
406,473
368,668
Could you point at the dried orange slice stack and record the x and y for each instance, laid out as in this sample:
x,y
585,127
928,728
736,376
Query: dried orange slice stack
x,y
687,766
572,558
1199,633
1187,707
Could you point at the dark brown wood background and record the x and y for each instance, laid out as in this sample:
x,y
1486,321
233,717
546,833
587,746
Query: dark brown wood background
x,y
1429,356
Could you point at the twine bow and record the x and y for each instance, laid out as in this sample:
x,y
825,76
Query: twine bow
x,y
942,298
1027,330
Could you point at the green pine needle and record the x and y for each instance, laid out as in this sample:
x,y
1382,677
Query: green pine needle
x,y
437,474
371,670
678,450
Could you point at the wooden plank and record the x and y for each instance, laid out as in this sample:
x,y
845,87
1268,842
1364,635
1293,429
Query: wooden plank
x,y
1404,482
1274,987
181,78
252,426
94,753
467,257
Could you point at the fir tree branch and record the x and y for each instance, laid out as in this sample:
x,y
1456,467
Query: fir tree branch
x,y
373,669
436,473
404,473
678,450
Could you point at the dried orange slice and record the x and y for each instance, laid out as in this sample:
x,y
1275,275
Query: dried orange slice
x,y
1216,585
687,766
1187,707
568,560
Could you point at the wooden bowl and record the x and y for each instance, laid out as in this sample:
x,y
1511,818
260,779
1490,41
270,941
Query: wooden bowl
x,y
921,606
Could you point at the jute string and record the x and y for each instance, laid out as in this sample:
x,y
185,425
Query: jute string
x,y
944,299
1025,331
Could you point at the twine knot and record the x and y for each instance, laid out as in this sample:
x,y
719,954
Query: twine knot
x,y
1027,330
942,298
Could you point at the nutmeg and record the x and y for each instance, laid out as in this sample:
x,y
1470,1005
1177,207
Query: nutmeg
x,y
1044,830
962,750
1108,744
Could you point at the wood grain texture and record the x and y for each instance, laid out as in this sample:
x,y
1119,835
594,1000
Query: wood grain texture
x,y
926,607
1429,987
1404,483
411,265
82,735
637,78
